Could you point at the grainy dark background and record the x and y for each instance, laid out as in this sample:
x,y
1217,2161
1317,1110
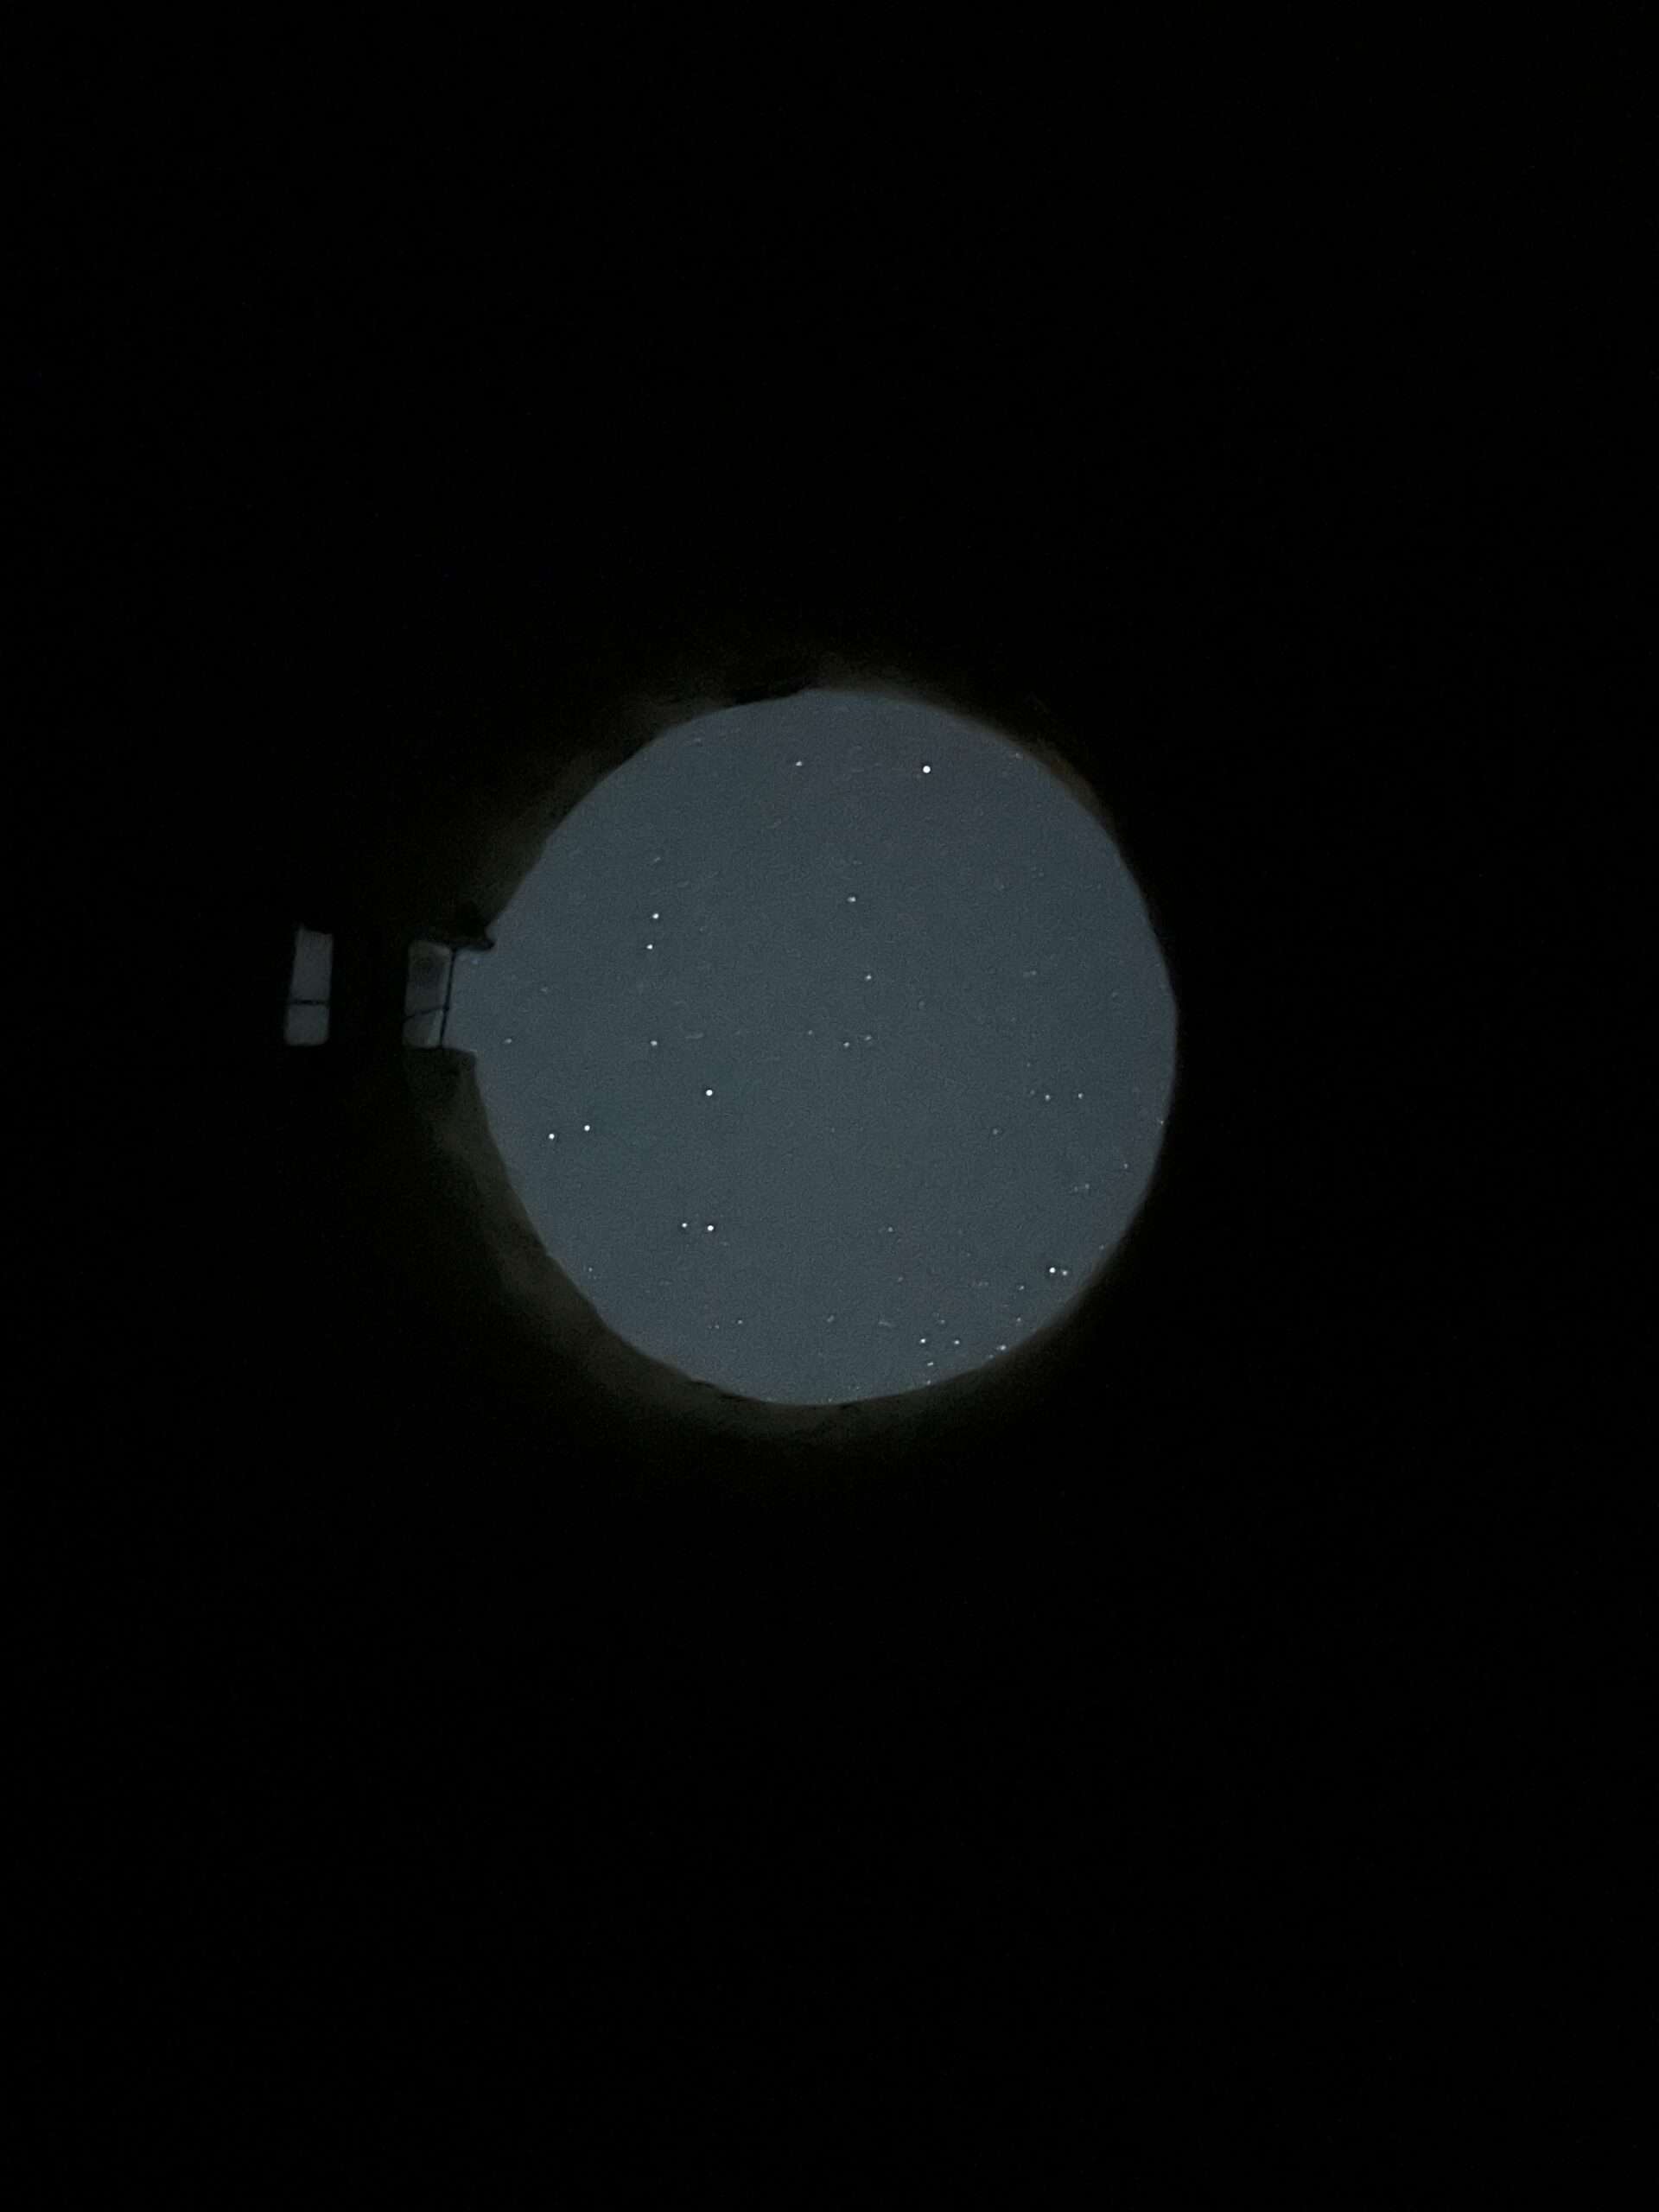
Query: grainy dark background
x,y
1170,1782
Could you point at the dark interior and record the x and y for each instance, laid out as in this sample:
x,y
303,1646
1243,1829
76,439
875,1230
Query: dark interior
x,y
523,1760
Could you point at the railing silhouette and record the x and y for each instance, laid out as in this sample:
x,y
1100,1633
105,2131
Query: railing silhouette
x,y
428,952
429,987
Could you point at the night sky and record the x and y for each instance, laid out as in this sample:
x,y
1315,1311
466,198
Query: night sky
x,y
828,1046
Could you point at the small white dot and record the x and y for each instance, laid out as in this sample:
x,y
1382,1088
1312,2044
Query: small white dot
x,y
868,978
552,1136
852,898
707,1094
653,1043
926,770
709,1226
799,764
655,917
587,1125
650,948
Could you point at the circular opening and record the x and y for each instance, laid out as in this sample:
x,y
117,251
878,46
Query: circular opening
x,y
828,1045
